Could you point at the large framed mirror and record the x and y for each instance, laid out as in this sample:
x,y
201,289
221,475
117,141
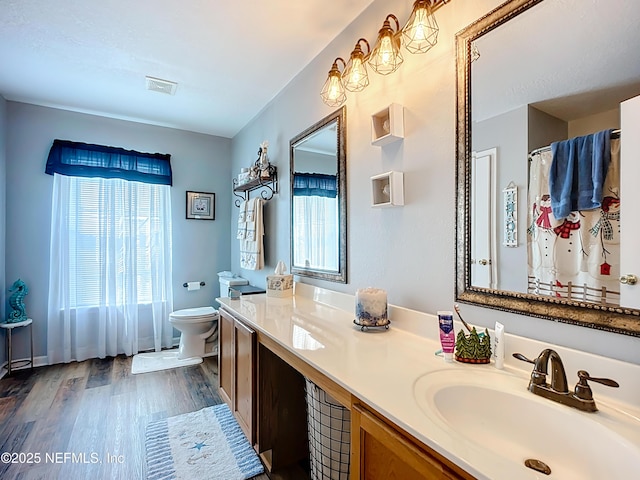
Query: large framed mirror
x,y
529,74
319,200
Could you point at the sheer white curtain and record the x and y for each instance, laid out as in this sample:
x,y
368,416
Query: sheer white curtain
x,y
316,224
110,270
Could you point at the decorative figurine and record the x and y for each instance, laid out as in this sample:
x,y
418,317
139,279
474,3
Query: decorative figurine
x,y
473,348
264,161
20,290
262,165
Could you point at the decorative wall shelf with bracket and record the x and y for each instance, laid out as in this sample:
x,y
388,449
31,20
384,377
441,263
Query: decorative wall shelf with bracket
x,y
268,186
387,125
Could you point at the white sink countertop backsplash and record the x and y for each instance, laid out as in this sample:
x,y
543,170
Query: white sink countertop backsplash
x,y
381,367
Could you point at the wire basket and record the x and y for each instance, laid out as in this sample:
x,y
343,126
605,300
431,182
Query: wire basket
x,y
329,435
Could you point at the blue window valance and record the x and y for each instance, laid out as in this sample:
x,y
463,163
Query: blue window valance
x,y
315,184
76,159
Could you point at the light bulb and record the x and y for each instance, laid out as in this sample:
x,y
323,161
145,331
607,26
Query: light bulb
x,y
356,71
386,51
334,88
418,26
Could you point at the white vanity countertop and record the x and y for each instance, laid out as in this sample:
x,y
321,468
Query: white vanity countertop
x,y
381,367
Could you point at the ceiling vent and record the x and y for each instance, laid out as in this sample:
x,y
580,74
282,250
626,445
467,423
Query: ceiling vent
x,y
162,86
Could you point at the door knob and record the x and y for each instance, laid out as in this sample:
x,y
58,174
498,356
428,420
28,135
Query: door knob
x,y
629,279
484,261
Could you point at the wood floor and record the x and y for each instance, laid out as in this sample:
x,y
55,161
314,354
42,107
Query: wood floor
x,y
88,419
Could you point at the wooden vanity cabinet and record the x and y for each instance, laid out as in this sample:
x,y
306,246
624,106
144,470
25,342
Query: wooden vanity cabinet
x,y
264,392
263,384
237,370
381,451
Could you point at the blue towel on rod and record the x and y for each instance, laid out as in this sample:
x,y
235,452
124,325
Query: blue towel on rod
x,y
578,171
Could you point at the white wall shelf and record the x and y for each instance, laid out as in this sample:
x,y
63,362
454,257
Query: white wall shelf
x,y
387,189
387,125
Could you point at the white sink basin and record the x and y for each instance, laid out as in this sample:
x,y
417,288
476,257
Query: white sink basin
x,y
495,412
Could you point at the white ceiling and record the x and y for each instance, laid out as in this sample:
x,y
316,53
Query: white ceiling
x,y
569,58
229,57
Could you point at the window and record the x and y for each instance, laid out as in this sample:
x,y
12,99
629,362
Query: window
x,y
114,224
110,280
316,232
316,221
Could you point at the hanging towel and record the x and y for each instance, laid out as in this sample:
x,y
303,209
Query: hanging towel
x,y
578,171
251,215
251,247
242,222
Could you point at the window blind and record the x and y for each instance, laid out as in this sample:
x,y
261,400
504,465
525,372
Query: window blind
x,y
107,219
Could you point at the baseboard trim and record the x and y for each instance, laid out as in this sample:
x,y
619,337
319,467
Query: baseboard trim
x,y
37,362
43,361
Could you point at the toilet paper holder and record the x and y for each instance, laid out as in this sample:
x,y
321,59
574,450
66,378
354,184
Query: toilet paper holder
x,y
186,284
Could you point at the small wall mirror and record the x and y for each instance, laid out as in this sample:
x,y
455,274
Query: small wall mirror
x,y
319,200
531,73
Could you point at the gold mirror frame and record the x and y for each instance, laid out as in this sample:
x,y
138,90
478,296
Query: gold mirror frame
x,y
613,319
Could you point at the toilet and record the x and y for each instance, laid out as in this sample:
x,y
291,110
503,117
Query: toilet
x,y
196,326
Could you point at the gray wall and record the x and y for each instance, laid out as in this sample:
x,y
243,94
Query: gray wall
x,y
544,129
594,123
3,203
311,162
409,251
199,162
514,134
508,134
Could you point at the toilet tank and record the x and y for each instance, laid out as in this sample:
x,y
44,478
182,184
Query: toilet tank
x,y
228,279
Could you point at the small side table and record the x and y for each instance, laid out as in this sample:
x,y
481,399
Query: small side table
x,y
9,329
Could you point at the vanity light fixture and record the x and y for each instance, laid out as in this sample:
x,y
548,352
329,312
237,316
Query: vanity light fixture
x,y
333,93
419,35
356,77
421,31
386,56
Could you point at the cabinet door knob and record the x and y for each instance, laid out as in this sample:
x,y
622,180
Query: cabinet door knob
x,y
629,279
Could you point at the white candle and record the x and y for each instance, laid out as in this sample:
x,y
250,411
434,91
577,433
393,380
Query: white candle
x,y
371,306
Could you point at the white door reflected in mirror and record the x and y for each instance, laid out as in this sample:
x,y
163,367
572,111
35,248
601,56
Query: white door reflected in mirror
x,y
629,175
483,219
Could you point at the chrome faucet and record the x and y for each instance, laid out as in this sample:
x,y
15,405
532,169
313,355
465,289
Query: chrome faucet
x,y
558,391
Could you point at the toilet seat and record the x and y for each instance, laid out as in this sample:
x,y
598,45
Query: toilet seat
x,y
194,315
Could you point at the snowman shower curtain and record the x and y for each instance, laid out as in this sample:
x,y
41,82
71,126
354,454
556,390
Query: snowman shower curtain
x,y
577,257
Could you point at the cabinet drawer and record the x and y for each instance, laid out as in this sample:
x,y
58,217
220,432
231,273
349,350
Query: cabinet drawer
x,y
226,357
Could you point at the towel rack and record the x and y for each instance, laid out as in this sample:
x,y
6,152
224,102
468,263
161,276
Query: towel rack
x,y
268,186
614,134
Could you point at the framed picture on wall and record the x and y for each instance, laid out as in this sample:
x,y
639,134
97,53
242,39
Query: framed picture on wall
x,y
201,206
